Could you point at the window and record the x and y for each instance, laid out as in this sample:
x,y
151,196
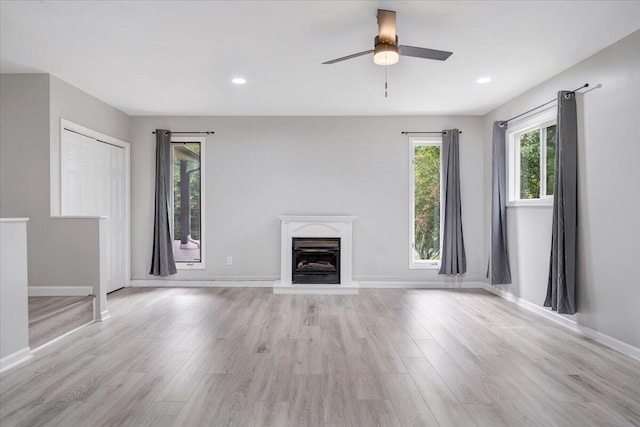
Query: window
x,y
531,158
187,206
425,200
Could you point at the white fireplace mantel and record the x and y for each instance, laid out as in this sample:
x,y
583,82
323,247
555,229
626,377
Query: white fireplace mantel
x,y
316,226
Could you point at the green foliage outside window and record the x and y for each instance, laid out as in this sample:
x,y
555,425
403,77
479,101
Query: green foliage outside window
x,y
530,158
551,157
530,165
427,202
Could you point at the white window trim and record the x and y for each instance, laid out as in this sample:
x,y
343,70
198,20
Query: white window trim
x,y
413,142
193,265
542,119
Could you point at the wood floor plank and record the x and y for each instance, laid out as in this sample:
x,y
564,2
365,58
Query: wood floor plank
x,y
182,385
467,388
101,403
513,403
306,406
377,413
203,404
411,408
243,356
447,410
267,414
371,387
484,414
274,381
340,392
234,408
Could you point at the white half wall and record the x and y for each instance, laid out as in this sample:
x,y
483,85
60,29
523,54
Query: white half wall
x,y
262,167
608,295
14,312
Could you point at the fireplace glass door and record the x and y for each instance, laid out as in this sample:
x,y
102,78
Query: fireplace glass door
x,y
315,260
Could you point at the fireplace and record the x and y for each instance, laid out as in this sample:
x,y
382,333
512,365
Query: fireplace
x,y
316,255
315,260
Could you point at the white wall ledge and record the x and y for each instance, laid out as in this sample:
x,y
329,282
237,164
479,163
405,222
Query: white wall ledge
x,y
317,218
530,204
14,219
60,291
79,217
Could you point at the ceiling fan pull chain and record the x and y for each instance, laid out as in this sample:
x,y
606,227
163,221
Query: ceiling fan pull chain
x,y
385,81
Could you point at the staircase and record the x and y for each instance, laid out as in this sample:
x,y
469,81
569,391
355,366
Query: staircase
x,y
52,317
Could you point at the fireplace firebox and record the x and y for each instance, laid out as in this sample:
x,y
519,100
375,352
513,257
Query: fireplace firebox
x,y
315,260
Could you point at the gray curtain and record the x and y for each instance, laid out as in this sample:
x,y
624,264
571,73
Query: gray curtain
x,y
453,260
561,289
162,261
499,271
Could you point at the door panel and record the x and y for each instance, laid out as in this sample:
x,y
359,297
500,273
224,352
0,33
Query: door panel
x,y
114,175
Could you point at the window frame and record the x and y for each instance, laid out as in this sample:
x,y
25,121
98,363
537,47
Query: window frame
x,y
200,265
543,119
414,142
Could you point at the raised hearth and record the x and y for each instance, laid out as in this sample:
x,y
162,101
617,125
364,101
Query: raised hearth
x,y
316,255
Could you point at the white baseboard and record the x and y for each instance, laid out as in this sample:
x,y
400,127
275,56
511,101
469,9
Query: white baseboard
x,y
60,291
103,315
15,359
568,322
421,285
202,283
269,283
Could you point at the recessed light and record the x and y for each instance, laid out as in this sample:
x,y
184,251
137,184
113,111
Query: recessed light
x,y
238,81
483,80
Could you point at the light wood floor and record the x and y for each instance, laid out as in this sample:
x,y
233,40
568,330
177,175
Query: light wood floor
x,y
52,317
385,357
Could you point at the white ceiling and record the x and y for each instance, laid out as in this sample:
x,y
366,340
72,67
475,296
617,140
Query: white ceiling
x,y
178,58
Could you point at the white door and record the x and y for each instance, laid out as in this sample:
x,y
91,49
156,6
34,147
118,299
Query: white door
x,y
92,183
116,212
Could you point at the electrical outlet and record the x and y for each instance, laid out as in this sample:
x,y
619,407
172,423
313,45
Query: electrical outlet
x,y
229,260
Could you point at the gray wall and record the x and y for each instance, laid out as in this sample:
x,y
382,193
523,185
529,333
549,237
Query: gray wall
x,y
70,103
608,202
24,143
62,252
259,167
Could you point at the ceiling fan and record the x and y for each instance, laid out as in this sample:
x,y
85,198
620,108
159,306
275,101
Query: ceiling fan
x,y
386,50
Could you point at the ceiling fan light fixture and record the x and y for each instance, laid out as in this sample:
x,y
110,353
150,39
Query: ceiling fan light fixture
x,y
386,49
385,54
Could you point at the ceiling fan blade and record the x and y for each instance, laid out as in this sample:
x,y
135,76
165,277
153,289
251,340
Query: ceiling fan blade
x,y
387,26
421,52
344,58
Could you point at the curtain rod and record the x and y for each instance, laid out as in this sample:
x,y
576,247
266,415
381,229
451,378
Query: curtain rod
x,y
442,131
540,106
207,132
